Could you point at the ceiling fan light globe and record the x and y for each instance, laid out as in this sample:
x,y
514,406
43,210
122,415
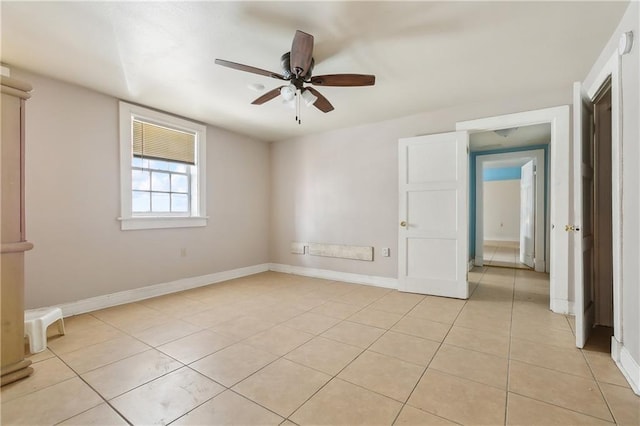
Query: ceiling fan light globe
x,y
309,98
288,92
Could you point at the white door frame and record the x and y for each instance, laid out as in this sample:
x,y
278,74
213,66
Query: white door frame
x,y
560,293
538,156
612,69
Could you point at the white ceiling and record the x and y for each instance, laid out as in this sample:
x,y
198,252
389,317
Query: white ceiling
x,y
425,55
537,134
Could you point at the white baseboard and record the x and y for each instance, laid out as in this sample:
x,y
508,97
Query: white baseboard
x,y
627,365
561,306
335,275
136,294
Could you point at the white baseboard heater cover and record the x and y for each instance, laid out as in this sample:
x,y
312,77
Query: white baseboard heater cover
x,y
341,251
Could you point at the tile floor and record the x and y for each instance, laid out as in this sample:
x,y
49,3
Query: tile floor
x,y
283,349
502,253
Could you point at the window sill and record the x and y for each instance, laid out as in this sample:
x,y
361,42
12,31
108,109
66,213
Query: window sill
x,y
133,223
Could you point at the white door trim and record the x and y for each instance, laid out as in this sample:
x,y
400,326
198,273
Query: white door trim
x,y
559,147
538,156
612,69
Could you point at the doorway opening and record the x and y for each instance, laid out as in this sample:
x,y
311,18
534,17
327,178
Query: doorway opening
x,y
508,198
557,249
598,220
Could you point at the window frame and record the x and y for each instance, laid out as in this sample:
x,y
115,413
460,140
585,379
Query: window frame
x,y
132,221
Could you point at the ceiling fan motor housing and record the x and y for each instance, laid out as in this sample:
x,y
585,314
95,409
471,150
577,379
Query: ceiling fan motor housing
x,y
285,63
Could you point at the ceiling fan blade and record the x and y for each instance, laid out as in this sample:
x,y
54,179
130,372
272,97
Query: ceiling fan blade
x,y
344,80
248,68
267,96
301,53
322,103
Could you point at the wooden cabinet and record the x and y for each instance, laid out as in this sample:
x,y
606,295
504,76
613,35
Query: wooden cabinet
x,y
12,229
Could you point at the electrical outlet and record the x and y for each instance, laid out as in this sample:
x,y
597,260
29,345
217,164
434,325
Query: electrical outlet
x,y
386,252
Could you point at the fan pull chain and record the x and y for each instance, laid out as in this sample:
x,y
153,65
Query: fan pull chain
x,y
298,96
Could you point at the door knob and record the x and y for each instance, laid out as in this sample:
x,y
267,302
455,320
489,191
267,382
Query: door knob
x,y
403,224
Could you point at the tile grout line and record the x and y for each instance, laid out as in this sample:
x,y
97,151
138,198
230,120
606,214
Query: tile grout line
x,y
513,300
597,382
431,360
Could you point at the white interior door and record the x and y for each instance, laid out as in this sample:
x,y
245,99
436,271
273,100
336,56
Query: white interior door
x,y
527,213
433,236
582,227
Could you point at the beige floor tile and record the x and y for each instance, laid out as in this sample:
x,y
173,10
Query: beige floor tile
x,y
45,373
101,354
482,341
341,403
195,346
229,408
279,340
354,334
75,323
565,390
233,364
324,354
440,309
493,297
459,400
472,365
167,332
132,318
526,411
540,334
485,320
523,315
176,305
211,317
406,347
375,318
411,416
83,337
605,369
397,302
336,310
124,375
624,404
282,386
419,327
242,327
306,302
312,323
277,314
50,405
100,415
362,297
567,360
383,374
37,357
152,404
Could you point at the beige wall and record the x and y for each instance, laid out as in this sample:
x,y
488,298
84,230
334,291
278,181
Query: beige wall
x,y
501,212
630,75
73,200
342,187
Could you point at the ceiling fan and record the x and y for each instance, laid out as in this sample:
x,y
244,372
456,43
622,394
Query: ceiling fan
x,y
297,66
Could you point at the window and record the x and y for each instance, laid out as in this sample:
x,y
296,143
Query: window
x,y
162,170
